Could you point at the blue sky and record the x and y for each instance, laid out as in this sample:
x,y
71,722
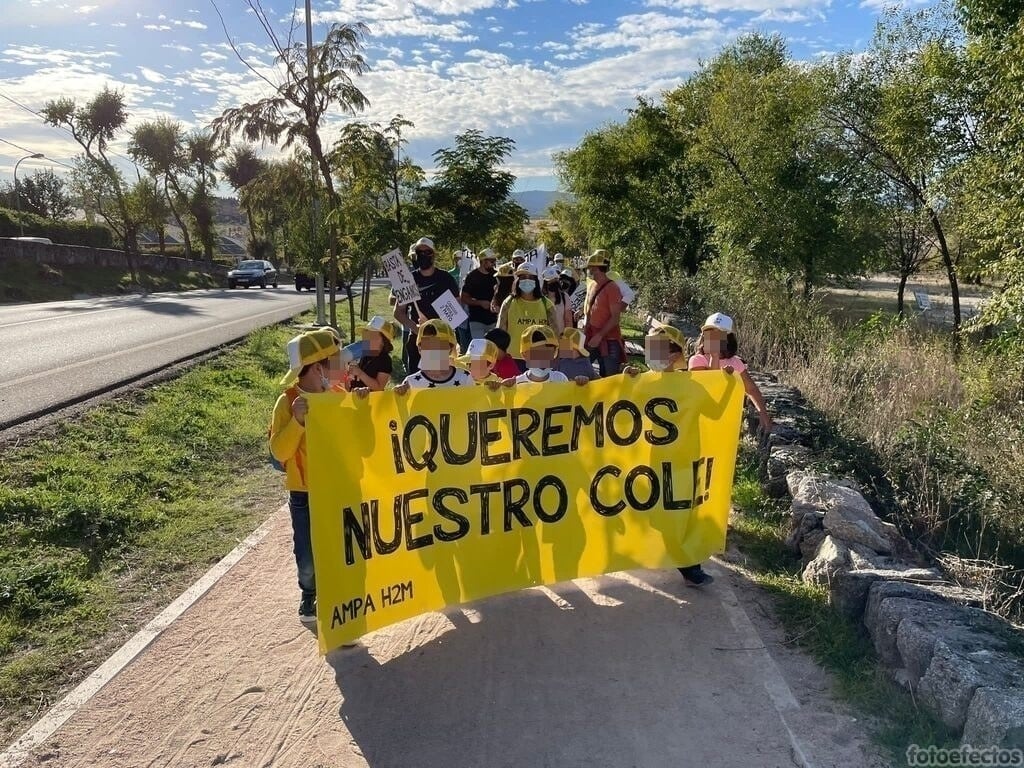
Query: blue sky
x,y
542,72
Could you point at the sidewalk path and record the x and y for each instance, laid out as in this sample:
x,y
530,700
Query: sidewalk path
x,y
629,669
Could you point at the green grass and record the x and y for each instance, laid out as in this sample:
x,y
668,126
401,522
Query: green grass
x,y
24,280
758,528
104,519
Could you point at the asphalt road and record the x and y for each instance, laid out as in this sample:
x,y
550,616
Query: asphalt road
x,y
62,352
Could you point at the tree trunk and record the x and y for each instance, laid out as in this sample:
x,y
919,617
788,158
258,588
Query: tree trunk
x,y
947,261
899,294
252,227
808,278
351,310
162,234
174,212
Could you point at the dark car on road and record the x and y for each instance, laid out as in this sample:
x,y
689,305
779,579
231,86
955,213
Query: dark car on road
x,y
253,272
307,281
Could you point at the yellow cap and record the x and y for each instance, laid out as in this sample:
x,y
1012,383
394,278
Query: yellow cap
x,y
439,329
505,270
537,336
599,258
306,349
671,333
577,338
480,349
381,325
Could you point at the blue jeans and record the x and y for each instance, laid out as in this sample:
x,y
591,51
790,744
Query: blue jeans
x,y
298,505
610,364
463,336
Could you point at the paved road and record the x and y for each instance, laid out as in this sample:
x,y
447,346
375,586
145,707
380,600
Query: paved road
x,y
60,352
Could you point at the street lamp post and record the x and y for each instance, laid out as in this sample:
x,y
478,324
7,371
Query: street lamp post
x,y
17,193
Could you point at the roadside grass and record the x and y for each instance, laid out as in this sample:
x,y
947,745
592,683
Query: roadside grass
x,y
25,280
758,528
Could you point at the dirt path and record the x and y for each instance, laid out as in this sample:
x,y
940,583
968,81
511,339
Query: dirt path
x,y
629,669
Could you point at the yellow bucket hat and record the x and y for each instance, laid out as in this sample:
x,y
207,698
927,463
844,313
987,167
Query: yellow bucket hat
x,y
306,349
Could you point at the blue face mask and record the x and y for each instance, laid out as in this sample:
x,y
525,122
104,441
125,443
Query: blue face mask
x,y
527,286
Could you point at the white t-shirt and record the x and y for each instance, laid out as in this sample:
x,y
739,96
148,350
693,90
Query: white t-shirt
x,y
458,378
554,377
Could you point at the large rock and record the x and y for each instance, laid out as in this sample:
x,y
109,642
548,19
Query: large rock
x,y
849,590
783,459
995,718
948,685
880,591
810,544
832,558
801,525
850,517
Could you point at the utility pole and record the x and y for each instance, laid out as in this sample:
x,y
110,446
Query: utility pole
x,y
313,201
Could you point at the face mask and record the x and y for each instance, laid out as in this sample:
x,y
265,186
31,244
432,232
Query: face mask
x,y
434,360
527,286
325,380
539,373
424,260
656,364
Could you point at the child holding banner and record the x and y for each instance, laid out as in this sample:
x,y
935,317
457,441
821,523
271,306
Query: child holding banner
x,y
717,349
526,307
436,342
505,367
373,370
310,357
540,348
573,356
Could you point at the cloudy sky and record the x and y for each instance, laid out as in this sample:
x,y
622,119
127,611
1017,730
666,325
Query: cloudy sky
x,y
542,72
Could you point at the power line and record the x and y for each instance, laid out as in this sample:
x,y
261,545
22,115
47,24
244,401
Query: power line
x,y
29,151
58,127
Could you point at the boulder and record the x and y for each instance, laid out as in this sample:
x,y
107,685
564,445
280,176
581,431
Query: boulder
x,y
800,526
782,459
948,685
831,558
810,543
995,718
849,590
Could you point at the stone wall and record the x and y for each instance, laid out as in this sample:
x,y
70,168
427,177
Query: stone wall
x,y
68,255
962,663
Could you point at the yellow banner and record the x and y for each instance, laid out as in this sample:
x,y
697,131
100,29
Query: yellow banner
x,y
443,496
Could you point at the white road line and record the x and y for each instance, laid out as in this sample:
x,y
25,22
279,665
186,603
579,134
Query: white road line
x,y
16,754
150,345
62,316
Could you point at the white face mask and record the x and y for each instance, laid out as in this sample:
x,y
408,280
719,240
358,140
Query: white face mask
x,y
539,373
434,360
656,364
527,286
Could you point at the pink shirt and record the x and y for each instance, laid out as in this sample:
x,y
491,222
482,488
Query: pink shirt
x,y
734,362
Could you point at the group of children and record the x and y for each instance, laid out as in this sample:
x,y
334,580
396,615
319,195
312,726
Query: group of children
x,y
318,363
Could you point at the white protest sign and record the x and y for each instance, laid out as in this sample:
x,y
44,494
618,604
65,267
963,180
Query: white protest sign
x,y
402,283
578,298
449,309
538,258
467,262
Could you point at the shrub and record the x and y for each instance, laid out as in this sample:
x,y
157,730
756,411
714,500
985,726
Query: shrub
x,y
63,232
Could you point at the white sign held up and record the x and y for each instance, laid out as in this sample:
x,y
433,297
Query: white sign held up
x,y
402,283
449,309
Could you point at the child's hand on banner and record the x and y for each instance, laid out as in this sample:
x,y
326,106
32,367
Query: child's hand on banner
x,y
582,380
362,392
401,389
299,409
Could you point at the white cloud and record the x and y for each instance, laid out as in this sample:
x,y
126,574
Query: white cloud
x,y
190,24
212,56
151,76
177,47
86,9
724,6
157,27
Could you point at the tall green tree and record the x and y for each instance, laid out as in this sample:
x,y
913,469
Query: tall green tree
x,y
902,109
203,151
159,147
296,113
43,193
635,186
93,125
994,177
472,192
241,167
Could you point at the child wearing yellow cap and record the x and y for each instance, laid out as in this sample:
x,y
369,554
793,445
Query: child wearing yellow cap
x,y
480,358
573,356
436,342
374,368
313,356
539,347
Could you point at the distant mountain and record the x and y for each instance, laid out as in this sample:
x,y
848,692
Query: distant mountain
x,y
537,201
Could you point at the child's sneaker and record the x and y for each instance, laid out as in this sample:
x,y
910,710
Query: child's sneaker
x,y
695,576
307,610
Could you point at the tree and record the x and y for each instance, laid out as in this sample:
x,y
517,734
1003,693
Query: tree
x,y
93,126
159,146
203,152
902,110
148,206
993,179
296,113
774,189
570,226
243,166
635,189
44,193
471,192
